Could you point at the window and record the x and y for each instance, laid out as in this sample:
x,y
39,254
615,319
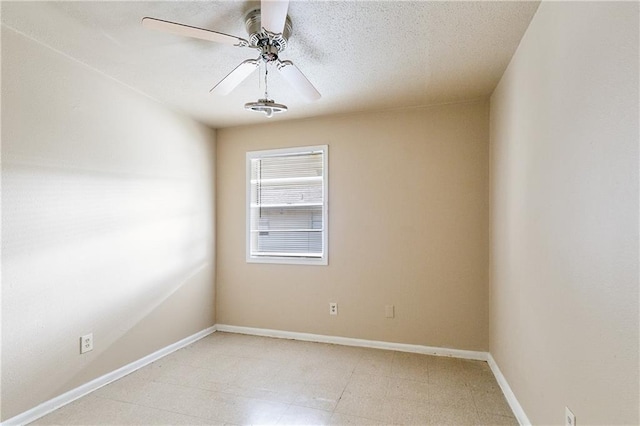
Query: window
x,y
287,205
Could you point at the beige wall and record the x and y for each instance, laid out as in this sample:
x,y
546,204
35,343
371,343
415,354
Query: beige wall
x,y
107,224
408,218
564,199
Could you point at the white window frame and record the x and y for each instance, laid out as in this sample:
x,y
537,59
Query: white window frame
x,y
323,260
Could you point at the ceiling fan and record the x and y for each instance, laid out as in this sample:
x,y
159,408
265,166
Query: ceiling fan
x,y
269,29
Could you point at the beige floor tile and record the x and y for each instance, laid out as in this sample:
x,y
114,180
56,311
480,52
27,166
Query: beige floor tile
x,y
385,410
410,366
338,356
443,415
343,356
128,389
150,371
277,392
495,420
478,372
481,379
327,376
368,385
451,395
278,354
446,362
408,389
359,406
373,366
320,396
225,407
471,364
345,419
484,385
178,399
235,339
410,372
378,354
491,401
235,349
286,382
240,410
202,403
98,411
411,359
197,377
291,374
206,357
447,375
297,345
257,373
405,412
447,370
237,379
296,415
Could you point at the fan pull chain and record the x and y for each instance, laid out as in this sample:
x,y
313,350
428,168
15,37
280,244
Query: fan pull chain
x,y
266,71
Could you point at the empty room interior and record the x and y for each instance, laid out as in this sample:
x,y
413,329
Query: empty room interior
x,y
320,212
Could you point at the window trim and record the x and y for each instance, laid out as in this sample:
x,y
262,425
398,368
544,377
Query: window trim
x,y
324,259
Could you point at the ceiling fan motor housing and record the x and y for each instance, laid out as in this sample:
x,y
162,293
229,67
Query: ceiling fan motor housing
x,y
269,43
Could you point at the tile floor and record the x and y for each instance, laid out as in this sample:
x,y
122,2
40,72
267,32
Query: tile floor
x,y
235,379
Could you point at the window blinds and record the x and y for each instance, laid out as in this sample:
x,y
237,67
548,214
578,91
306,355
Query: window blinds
x,y
287,204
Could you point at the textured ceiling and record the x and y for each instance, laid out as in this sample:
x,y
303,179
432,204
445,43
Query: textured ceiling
x,y
360,55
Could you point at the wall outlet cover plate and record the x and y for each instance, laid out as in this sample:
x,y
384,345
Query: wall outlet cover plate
x,y
86,343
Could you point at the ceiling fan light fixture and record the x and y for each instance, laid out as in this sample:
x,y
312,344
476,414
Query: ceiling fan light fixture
x,y
266,106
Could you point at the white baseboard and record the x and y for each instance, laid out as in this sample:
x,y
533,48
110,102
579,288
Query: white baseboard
x,y
70,396
521,416
401,347
347,341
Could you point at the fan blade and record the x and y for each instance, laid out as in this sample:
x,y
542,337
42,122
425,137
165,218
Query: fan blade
x,y
188,31
235,77
294,76
273,14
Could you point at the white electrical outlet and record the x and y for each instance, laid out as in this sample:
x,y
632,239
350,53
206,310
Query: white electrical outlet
x,y
86,343
569,417
388,311
333,308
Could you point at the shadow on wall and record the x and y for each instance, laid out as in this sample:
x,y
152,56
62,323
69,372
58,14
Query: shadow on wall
x,y
182,308
128,258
